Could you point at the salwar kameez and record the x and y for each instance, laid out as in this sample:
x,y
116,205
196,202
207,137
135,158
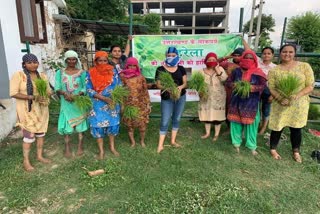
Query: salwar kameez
x,y
71,118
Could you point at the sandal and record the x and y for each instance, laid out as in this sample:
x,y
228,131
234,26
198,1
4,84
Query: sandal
x,y
297,157
275,154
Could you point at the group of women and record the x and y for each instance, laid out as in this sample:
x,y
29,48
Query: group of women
x,y
222,104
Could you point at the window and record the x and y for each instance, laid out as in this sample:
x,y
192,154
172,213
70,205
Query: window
x,y
32,23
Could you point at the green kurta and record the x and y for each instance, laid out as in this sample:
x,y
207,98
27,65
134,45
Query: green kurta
x,y
71,117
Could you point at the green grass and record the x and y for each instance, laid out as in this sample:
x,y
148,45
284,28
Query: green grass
x,y
201,177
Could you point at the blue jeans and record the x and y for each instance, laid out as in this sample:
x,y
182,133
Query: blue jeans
x,y
171,109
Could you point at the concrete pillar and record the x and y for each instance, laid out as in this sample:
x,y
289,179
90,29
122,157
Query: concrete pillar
x,y
226,19
144,7
194,16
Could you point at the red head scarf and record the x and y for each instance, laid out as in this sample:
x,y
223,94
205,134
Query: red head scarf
x,y
128,72
250,66
211,64
101,75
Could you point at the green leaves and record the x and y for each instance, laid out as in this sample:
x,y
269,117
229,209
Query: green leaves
x,y
169,85
288,85
305,29
119,93
242,88
41,86
197,83
131,112
83,102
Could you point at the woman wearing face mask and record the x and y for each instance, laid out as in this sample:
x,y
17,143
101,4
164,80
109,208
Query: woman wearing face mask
x,y
213,109
32,109
171,108
68,83
138,97
244,111
104,120
291,113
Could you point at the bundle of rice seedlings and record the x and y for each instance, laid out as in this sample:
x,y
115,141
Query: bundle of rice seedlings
x,y
130,112
242,88
288,85
41,86
197,83
169,85
119,94
83,102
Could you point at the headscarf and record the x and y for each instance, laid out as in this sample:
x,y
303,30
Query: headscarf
x,y
101,75
251,68
128,72
71,54
238,51
172,61
211,64
29,58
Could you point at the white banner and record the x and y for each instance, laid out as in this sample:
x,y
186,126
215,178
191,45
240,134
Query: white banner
x,y
155,96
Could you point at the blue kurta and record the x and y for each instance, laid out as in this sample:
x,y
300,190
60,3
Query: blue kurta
x,y
101,115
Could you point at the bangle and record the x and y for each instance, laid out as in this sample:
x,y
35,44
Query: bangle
x,y
30,97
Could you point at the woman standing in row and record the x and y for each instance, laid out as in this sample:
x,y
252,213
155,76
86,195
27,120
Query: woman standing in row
x,y
104,118
70,82
290,112
139,97
32,109
213,109
244,110
171,108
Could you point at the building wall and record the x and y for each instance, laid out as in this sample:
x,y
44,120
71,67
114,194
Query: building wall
x,y
12,48
187,17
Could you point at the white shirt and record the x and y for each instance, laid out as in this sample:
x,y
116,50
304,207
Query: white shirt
x,y
264,67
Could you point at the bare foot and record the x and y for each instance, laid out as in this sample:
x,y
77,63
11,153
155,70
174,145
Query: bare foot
x,y
115,152
261,132
100,156
254,152
27,166
79,152
205,136
215,138
68,154
44,160
132,145
143,145
297,157
275,154
160,148
237,149
176,145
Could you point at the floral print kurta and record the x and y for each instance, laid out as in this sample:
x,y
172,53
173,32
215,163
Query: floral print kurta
x,y
101,114
295,115
139,97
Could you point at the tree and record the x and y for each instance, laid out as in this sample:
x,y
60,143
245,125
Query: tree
x,y
153,22
111,10
267,25
305,29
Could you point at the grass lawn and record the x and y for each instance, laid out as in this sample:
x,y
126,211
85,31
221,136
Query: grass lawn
x,y
201,177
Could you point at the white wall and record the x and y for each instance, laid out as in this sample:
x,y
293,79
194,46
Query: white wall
x,y
13,46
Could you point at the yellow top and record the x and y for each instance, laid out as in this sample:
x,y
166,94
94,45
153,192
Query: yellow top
x,y
295,115
35,121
